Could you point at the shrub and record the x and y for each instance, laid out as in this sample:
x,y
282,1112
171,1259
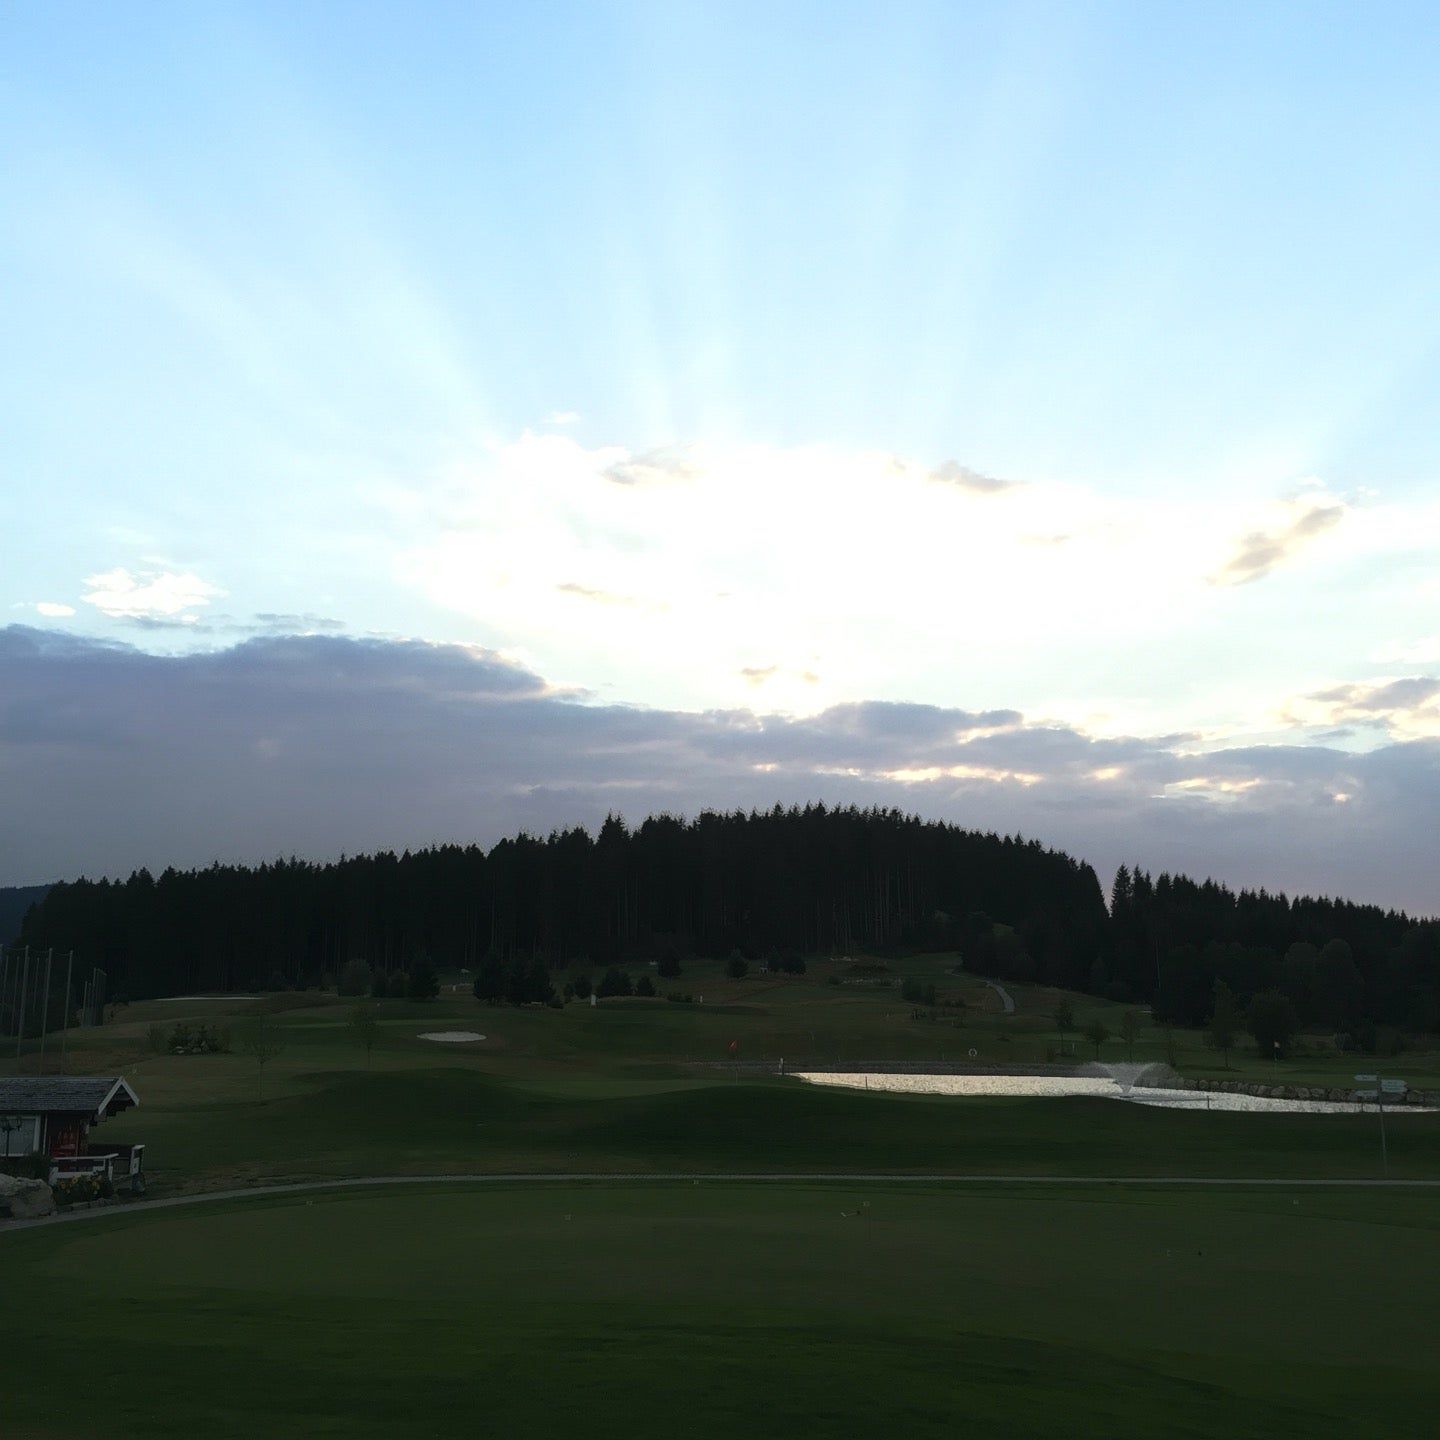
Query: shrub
x,y
614,982
582,987
645,986
676,998
669,966
355,979
379,985
737,967
399,985
155,1038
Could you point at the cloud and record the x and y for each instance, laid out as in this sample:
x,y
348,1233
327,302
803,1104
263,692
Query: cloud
x,y
1260,551
290,622
151,594
563,417
666,465
758,674
600,597
951,472
320,744
53,609
1406,707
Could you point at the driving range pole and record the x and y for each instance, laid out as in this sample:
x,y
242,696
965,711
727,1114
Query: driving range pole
x,y
20,1009
65,1019
45,1004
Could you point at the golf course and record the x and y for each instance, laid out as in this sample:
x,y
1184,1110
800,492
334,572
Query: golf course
x,y
804,1309
1067,1265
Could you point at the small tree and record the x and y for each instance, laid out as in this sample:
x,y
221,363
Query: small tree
x,y
1224,1021
1064,1019
364,1027
669,966
354,978
399,986
613,982
1272,1022
645,986
582,986
1097,1033
262,1042
379,984
737,967
423,983
1129,1031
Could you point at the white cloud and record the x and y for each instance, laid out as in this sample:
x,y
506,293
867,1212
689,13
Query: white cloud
x,y
124,595
54,609
563,417
1296,524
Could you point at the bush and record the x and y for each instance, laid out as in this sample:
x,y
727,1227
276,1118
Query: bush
x,y
582,986
645,986
155,1038
379,985
399,986
737,967
354,979
669,966
614,982
676,998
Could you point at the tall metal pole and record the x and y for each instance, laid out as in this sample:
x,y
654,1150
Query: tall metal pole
x,y
45,1004
20,1010
1380,1106
65,1019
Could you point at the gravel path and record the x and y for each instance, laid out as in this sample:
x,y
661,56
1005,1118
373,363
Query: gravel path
x,y
260,1192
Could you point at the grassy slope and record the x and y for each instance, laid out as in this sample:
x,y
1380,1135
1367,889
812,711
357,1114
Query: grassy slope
x,y
713,1310
607,1088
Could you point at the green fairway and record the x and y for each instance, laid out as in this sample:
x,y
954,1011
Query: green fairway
x,y
712,1309
614,1088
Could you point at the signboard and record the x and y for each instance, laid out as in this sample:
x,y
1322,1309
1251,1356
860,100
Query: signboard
x,y
1394,1087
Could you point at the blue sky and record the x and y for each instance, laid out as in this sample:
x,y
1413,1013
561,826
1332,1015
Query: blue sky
x,y
1076,360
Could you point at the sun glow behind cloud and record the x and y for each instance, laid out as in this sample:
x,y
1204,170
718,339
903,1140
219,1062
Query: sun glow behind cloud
x,y
788,578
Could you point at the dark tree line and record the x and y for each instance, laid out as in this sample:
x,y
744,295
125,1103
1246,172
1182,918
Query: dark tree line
x,y
1343,967
782,882
773,886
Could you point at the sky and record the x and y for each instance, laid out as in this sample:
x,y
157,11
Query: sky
x,y
420,424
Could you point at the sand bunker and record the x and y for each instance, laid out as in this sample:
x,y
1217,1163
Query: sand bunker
x,y
452,1037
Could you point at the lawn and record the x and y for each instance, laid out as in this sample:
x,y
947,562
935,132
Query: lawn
x,y
817,1310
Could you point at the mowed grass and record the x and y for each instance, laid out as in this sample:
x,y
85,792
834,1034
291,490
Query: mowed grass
x,y
453,1120
608,1089
818,1310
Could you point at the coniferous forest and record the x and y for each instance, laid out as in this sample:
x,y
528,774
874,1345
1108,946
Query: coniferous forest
x,y
770,885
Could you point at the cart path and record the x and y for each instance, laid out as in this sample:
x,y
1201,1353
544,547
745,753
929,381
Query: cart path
x,y
1006,998
259,1192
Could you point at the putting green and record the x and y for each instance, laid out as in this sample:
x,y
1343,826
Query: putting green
x,y
697,1310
